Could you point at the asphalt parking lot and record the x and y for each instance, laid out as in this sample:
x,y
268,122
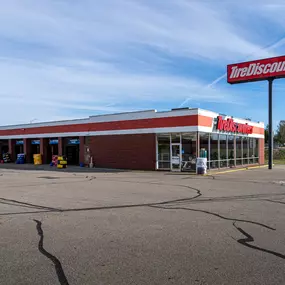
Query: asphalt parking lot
x,y
142,227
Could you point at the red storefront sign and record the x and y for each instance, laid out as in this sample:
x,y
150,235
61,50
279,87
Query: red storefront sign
x,y
256,70
229,125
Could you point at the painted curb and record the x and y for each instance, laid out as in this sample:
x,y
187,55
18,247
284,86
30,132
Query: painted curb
x,y
240,169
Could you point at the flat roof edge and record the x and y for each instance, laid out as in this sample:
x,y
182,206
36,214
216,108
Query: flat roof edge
x,y
124,113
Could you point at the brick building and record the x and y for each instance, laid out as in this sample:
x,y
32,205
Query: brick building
x,y
146,140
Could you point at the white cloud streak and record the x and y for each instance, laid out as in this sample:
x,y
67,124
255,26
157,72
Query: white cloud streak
x,y
112,55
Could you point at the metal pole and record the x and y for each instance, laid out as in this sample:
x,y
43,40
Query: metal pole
x,y
270,135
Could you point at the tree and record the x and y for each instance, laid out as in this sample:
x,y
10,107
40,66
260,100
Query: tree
x,y
280,134
266,134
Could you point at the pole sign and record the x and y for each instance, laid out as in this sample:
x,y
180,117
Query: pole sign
x,y
256,70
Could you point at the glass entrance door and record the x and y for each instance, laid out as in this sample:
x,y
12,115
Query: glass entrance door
x,y
176,157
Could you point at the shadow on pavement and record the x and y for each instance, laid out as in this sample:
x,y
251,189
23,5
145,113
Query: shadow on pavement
x,y
70,168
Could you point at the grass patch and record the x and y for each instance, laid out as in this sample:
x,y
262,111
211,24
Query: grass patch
x,y
277,161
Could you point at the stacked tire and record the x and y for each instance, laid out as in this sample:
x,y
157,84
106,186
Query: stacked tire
x,y
54,160
61,162
37,159
6,157
20,158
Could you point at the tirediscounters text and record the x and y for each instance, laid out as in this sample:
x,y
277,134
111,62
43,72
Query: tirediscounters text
x,y
256,70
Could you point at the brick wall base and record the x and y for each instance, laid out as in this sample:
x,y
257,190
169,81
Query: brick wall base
x,y
124,151
261,151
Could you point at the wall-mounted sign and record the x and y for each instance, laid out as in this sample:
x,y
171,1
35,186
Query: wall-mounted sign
x,y
35,141
256,70
175,160
20,142
53,141
73,141
229,125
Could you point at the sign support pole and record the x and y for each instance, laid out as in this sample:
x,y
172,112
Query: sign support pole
x,y
270,131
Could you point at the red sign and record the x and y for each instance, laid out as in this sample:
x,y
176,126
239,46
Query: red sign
x,y
230,126
256,70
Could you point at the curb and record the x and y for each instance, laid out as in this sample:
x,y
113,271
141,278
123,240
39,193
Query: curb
x,y
240,169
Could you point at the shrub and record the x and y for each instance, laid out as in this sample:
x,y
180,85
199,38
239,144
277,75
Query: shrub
x,y
277,153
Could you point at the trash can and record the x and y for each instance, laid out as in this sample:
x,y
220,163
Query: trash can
x,y
201,165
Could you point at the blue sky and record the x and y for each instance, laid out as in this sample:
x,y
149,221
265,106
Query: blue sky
x,y
64,59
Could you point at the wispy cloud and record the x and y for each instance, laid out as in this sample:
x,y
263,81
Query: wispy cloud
x,y
75,86
62,58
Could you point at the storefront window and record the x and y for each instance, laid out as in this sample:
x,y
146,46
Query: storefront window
x,y
204,146
163,142
256,151
251,150
214,151
238,150
175,138
245,150
231,151
223,151
188,151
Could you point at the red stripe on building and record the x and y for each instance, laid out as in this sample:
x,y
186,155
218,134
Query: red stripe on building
x,y
166,122
205,121
180,121
259,131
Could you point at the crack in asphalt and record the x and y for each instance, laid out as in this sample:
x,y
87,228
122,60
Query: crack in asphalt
x,y
253,197
274,201
16,205
249,239
167,205
215,214
24,204
52,182
54,210
49,209
246,241
57,265
152,183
